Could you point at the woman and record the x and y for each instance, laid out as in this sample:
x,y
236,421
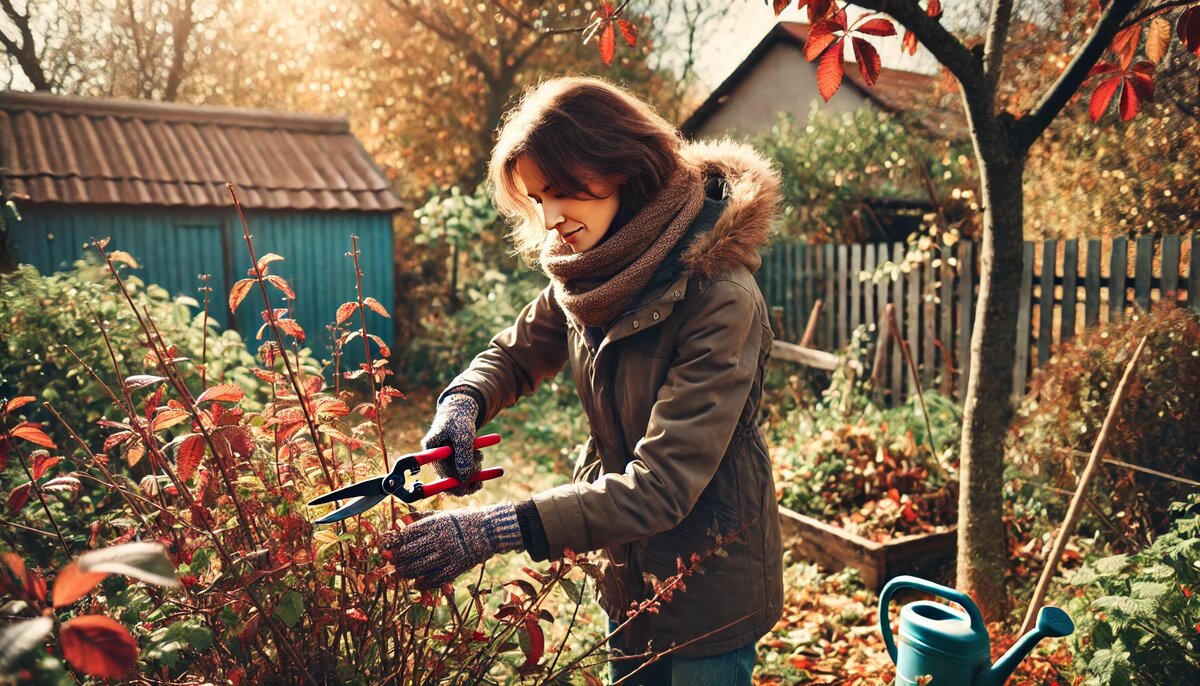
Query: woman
x,y
650,245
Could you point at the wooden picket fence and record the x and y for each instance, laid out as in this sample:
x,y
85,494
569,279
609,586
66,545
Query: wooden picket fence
x,y
1065,287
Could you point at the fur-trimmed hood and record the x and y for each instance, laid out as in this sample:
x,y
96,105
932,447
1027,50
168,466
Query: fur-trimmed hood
x,y
752,204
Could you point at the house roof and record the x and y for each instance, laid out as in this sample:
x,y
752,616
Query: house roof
x,y
67,149
895,91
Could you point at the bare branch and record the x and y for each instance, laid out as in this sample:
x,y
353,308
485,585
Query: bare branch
x,y
945,46
1154,11
1030,127
25,53
997,36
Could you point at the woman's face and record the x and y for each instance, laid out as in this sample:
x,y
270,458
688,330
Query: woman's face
x,y
579,222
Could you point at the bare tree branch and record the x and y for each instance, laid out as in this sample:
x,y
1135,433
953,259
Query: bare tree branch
x,y
997,36
182,24
25,52
945,46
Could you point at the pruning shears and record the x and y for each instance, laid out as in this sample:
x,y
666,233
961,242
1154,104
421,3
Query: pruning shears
x,y
373,491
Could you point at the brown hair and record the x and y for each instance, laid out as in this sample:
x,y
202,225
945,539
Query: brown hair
x,y
578,130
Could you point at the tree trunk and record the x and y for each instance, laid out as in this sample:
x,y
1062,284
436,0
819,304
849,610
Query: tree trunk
x,y
987,409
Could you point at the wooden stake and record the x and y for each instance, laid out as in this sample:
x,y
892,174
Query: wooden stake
x,y
1080,490
810,329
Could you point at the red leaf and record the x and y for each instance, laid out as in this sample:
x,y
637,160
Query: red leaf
x,y
1125,44
376,307
62,483
869,63
239,292
32,581
829,71
291,327
116,438
18,402
142,380
934,9
1188,29
819,38
537,642
629,32
188,455
42,462
4,452
267,259
1102,96
241,440
910,42
167,418
19,496
344,312
278,282
99,646
383,349
32,433
877,27
818,10
224,393
607,9
356,614
72,583
608,44
1137,86
266,376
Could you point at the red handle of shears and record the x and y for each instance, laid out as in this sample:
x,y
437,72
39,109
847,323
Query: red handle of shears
x,y
441,453
450,482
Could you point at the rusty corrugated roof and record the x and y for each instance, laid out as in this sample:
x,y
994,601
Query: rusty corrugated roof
x,y
895,90
68,149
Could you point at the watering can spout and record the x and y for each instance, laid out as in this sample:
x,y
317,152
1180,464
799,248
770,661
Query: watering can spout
x,y
1051,623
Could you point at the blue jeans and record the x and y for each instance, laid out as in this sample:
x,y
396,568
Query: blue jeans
x,y
727,669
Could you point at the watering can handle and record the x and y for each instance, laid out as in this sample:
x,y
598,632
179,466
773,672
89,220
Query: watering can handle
x,y
885,599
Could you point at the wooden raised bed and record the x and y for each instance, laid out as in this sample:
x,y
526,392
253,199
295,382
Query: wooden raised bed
x,y
930,556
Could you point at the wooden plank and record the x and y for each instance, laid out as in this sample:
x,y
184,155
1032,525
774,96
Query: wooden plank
x,y
913,330
1168,286
1025,306
1091,285
856,259
1070,289
810,329
843,300
1046,301
810,267
897,384
810,357
928,344
1117,278
869,286
883,337
1143,271
829,295
1194,274
966,312
946,330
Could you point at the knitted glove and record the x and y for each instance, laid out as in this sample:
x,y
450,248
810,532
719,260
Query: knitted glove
x,y
436,549
454,425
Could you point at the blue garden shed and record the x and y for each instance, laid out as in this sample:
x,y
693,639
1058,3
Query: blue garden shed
x,y
152,177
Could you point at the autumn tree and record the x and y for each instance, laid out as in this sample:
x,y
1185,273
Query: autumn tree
x,y
1103,61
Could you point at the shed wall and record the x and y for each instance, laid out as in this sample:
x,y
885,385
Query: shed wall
x,y
174,245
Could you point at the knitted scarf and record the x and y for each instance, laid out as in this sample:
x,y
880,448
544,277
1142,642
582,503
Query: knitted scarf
x,y
596,286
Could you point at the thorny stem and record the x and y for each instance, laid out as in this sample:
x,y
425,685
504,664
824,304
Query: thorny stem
x,y
301,396
362,318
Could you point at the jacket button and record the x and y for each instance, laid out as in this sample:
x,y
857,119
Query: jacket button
x,y
636,324
676,293
655,316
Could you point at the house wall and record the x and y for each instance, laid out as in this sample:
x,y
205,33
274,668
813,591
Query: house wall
x,y
782,81
174,245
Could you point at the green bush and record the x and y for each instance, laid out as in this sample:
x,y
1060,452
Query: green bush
x,y
1158,426
836,163
44,315
1138,616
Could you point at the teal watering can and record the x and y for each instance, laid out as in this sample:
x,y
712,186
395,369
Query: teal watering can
x,y
952,647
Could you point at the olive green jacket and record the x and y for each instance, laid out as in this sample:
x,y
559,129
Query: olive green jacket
x,y
671,390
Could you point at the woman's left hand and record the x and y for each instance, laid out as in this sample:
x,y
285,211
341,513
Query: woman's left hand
x,y
437,549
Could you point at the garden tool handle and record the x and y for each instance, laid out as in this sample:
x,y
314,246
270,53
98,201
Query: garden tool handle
x,y
440,453
450,482
905,581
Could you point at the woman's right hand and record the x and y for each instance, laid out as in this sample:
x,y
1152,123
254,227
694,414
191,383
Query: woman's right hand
x,y
454,425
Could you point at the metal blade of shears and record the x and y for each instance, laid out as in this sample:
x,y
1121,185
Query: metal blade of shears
x,y
366,487
355,508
